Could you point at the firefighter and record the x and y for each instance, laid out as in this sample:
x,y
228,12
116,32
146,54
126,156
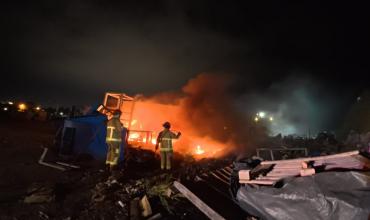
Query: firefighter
x,y
113,139
165,140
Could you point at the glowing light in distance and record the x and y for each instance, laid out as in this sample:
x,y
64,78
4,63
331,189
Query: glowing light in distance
x,y
271,118
256,119
10,103
38,108
61,113
5,109
22,107
262,114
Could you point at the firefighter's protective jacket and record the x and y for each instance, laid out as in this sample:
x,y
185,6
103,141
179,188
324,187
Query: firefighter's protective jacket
x,y
114,130
165,139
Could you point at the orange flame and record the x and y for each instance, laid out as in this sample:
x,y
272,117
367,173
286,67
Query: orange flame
x,y
202,112
149,117
199,150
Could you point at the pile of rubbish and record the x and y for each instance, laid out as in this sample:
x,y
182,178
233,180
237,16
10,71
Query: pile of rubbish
x,y
325,187
92,197
140,191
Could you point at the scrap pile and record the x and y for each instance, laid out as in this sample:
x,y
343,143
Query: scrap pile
x,y
324,187
271,172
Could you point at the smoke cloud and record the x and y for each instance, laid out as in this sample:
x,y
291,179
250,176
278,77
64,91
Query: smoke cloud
x,y
299,105
209,113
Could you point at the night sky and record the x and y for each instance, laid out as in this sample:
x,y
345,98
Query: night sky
x,y
71,52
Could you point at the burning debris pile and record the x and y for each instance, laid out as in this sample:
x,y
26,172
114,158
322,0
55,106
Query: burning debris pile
x,y
204,113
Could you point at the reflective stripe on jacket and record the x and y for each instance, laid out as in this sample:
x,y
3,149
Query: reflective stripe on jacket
x,y
113,139
114,129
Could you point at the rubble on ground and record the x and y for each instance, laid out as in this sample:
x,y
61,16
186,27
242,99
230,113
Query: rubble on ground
x,y
90,193
40,194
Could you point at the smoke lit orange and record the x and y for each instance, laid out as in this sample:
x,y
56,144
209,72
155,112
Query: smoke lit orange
x,y
200,113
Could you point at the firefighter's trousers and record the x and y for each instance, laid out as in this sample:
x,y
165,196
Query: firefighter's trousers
x,y
113,152
166,157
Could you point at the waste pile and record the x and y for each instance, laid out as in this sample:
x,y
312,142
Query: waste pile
x,y
138,191
325,187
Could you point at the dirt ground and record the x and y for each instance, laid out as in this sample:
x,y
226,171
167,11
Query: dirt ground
x,y
21,144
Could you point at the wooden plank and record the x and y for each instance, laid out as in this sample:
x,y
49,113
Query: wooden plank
x,y
357,163
283,174
298,166
210,213
244,174
229,168
226,171
346,154
145,207
343,160
259,182
219,178
287,168
304,164
284,171
269,178
307,172
223,175
260,169
357,167
362,159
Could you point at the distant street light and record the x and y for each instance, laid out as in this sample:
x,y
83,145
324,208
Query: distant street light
x,y
261,114
256,119
10,103
5,109
38,108
22,107
271,118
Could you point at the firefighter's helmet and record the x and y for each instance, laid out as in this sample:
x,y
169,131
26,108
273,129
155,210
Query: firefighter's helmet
x,y
117,113
167,125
